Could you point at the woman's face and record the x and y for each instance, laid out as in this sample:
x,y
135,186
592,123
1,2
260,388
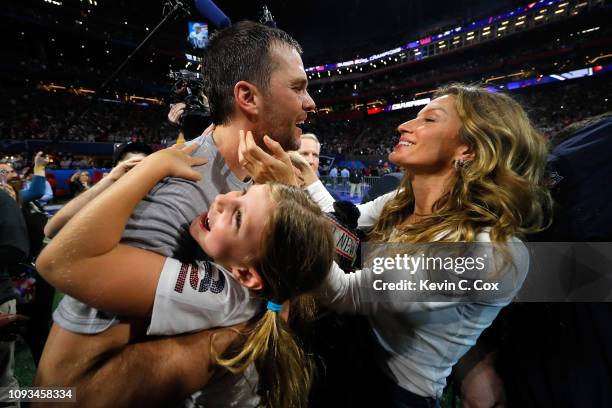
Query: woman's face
x,y
233,227
84,177
430,142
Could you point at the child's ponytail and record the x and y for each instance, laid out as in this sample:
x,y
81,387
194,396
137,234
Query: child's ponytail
x,y
285,372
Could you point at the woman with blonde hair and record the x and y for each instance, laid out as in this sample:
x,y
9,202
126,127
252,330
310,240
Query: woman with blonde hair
x,y
473,164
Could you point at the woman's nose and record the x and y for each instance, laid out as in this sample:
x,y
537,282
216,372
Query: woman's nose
x,y
405,127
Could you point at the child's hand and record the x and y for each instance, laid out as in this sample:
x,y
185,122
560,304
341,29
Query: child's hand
x,y
307,174
119,170
178,162
262,166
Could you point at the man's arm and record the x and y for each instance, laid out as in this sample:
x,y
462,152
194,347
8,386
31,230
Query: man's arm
x,y
106,372
37,187
157,372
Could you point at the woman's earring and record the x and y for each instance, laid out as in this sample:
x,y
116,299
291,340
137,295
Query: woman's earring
x,y
460,164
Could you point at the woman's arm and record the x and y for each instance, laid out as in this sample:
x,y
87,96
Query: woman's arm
x,y
85,259
340,291
369,212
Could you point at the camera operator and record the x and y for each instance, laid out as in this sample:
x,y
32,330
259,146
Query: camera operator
x,y
189,109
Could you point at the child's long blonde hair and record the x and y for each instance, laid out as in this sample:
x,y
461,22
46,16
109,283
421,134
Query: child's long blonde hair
x,y
295,256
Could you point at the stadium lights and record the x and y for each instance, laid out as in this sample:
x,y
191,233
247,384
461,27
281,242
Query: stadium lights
x,y
559,11
521,14
581,4
538,17
600,57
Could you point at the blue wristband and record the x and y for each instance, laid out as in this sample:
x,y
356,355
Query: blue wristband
x,y
275,307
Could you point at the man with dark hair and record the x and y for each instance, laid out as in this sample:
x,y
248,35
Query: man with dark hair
x,y
255,82
245,64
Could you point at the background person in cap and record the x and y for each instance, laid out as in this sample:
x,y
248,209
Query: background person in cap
x,y
126,156
127,151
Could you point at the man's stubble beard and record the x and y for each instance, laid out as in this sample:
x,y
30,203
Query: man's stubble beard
x,y
275,132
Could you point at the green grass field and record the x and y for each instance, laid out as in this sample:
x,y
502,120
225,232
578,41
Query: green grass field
x,y
24,364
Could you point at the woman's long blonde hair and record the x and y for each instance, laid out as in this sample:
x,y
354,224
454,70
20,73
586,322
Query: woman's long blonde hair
x,y
500,189
294,257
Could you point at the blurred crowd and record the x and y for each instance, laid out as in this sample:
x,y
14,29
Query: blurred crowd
x,y
47,116
42,115
551,107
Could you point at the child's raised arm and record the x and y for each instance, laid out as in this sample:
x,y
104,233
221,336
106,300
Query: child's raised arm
x,y
85,259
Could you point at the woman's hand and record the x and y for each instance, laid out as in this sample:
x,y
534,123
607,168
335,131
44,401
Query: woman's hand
x,y
178,162
263,167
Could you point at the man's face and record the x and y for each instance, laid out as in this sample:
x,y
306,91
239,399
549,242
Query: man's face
x,y
286,101
8,170
309,149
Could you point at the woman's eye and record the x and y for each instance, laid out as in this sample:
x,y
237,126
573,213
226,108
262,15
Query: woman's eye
x,y
429,120
238,219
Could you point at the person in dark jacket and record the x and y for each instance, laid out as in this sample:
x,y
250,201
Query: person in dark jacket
x,y
14,248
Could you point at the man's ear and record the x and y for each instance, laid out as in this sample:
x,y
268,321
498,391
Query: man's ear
x,y
248,277
248,99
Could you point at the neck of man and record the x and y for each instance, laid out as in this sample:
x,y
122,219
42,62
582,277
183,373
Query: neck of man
x,y
227,139
429,188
